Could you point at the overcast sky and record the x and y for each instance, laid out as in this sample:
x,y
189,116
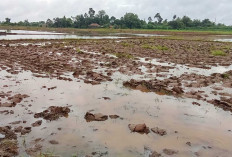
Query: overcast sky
x,y
35,10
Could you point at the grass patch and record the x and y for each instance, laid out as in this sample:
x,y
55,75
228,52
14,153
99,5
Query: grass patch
x,y
124,55
163,48
78,50
225,76
218,53
125,44
159,47
147,46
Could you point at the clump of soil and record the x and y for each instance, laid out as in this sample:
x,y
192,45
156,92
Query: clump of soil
x,y
225,104
159,131
158,86
53,113
14,100
140,128
34,149
53,142
8,142
155,154
37,123
95,117
169,151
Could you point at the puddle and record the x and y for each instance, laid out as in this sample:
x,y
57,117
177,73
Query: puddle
x,y
207,127
29,32
179,69
15,37
23,34
224,40
141,35
77,137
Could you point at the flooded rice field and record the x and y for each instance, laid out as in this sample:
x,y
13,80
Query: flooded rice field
x,y
25,34
140,97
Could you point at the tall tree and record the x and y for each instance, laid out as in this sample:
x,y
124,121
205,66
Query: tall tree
x,y
91,12
174,17
131,20
7,20
149,19
159,18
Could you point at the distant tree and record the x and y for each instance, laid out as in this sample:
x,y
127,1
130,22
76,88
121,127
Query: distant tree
x,y
112,19
7,20
186,21
49,23
131,20
79,21
91,12
86,15
149,19
207,23
26,23
176,24
101,14
159,18
196,23
174,17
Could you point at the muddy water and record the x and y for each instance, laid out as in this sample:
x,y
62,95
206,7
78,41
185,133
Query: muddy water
x,y
23,34
15,37
206,127
179,69
29,32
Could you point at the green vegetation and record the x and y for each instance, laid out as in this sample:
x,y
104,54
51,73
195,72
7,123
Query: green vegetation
x,y
91,19
78,50
163,48
125,44
225,76
218,53
147,46
48,153
159,47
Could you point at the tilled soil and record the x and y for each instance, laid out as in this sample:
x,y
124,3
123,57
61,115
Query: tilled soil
x,y
53,85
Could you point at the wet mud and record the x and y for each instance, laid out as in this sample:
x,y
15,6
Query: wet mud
x,y
145,97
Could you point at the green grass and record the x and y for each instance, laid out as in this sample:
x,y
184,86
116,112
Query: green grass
x,y
225,76
163,48
124,55
125,44
147,46
78,50
159,47
218,53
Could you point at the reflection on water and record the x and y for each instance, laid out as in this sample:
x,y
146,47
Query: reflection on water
x,y
23,34
141,35
29,32
224,40
203,126
14,37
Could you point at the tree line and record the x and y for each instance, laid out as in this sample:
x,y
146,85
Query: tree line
x,y
129,20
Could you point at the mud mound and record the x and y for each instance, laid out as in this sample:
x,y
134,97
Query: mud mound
x,y
53,113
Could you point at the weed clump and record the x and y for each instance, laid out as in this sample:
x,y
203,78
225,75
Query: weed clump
x,y
159,47
218,53
123,55
79,51
163,48
147,46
